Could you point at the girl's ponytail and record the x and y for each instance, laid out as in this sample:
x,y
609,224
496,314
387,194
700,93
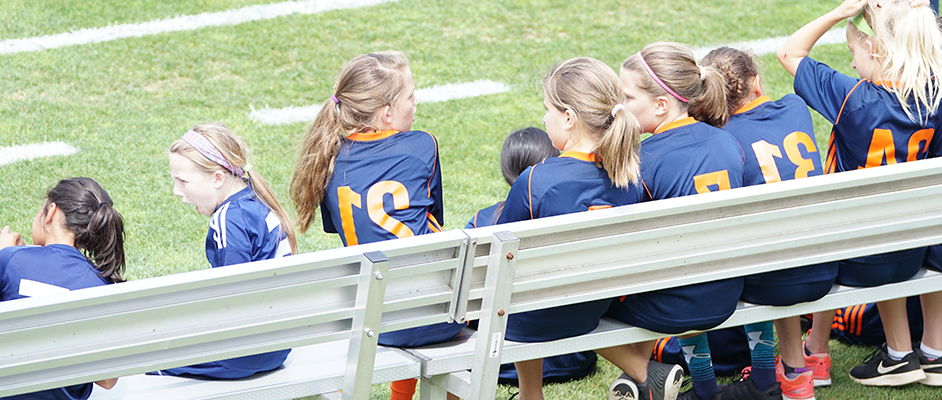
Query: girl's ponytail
x,y
710,105
618,148
366,84
97,226
264,193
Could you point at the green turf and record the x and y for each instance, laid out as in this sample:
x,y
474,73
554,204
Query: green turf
x,y
123,102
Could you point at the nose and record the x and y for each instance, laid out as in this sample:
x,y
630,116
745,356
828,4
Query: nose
x,y
176,190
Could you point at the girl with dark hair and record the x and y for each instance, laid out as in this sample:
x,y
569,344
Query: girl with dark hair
x,y
79,243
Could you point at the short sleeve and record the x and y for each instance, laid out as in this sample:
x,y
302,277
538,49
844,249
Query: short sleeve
x,y
325,218
823,88
517,206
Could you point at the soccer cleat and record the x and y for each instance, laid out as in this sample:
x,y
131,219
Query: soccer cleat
x,y
800,388
623,388
820,366
746,390
932,368
688,395
663,383
879,369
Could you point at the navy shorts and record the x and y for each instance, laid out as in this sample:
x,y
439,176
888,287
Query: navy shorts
x,y
233,368
557,322
422,335
672,311
881,269
934,257
787,294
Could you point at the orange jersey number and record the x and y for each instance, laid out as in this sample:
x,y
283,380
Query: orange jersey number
x,y
374,206
766,153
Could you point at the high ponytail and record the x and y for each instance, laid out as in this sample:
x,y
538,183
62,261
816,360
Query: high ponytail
x,y
591,90
98,228
701,91
236,153
366,84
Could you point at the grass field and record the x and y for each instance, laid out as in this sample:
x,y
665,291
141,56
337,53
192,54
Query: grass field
x,y
122,102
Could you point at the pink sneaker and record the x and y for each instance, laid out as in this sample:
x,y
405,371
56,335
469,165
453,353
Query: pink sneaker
x,y
820,366
800,388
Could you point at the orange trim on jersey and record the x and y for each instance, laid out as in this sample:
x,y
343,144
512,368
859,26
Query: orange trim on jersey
x,y
677,124
474,221
858,319
645,187
830,166
753,104
433,223
579,155
530,188
659,349
838,120
886,83
366,137
593,208
434,163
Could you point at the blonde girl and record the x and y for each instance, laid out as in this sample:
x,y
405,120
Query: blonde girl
x,y
210,170
79,243
372,176
888,116
683,104
597,169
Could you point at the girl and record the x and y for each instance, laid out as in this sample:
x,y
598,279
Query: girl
x,y
524,148
768,130
79,243
670,95
373,177
887,117
210,170
597,169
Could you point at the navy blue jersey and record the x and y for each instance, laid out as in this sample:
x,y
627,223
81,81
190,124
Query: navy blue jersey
x,y
33,271
778,140
683,158
688,157
484,217
870,130
385,185
242,229
870,127
861,324
561,185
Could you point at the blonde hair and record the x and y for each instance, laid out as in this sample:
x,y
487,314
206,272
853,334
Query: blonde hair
x,y
591,90
674,64
236,153
365,85
907,44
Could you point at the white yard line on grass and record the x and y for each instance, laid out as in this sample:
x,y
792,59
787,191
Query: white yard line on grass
x,y
182,23
771,45
12,154
279,116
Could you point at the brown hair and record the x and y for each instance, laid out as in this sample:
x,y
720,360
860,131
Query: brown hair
x,y
674,64
98,228
591,90
739,71
523,148
236,153
366,84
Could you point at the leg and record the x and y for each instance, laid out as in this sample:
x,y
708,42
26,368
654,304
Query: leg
x,y
762,349
628,359
530,378
817,340
789,341
932,319
896,324
895,364
797,381
697,352
642,379
402,390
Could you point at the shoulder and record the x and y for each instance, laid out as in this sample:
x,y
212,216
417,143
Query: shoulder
x,y
419,137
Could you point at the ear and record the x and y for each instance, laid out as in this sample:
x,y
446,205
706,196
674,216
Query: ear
x,y
869,45
757,88
386,115
51,210
219,178
570,120
662,105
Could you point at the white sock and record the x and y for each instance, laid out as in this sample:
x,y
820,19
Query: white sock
x,y
931,353
896,355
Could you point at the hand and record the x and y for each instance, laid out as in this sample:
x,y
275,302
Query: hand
x,y
850,8
9,238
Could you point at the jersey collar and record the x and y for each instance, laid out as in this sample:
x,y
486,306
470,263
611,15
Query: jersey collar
x,y
753,104
366,137
677,124
579,155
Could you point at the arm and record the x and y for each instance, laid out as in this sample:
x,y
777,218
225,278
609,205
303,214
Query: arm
x,y
107,383
799,44
8,238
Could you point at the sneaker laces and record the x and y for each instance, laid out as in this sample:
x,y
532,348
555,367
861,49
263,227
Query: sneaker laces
x,y
872,355
745,373
514,395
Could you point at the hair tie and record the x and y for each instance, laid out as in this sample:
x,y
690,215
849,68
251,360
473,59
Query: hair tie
x,y
101,204
658,80
334,98
617,108
861,23
245,170
209,151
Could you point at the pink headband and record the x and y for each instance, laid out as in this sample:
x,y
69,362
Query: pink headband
x,y
209,151
658,80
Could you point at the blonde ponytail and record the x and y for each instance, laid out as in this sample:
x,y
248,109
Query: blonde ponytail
x,y
618,149
366,84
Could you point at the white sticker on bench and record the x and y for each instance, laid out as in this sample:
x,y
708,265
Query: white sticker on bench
x,y
495,344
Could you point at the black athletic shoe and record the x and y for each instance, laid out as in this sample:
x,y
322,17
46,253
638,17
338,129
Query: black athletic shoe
x,y
933,369
746,390
688,395
879,369
663,383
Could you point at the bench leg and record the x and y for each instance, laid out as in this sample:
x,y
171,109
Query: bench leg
x,y
429,391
